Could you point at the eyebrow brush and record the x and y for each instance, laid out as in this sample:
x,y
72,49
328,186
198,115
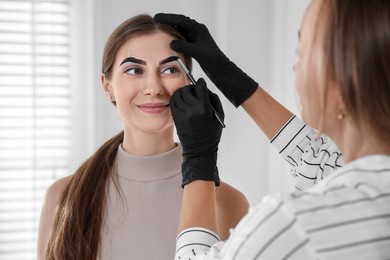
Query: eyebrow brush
x,y
191,78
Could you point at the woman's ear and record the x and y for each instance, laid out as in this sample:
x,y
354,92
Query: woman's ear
x,y
342,111
339,104
106,86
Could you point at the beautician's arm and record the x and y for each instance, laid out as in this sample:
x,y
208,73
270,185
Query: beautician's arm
x,y
268,114
234,83
199,132
241,90
198,206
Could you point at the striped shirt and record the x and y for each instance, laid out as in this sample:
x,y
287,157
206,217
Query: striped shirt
x,y
345,216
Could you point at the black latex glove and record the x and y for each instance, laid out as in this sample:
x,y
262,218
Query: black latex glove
x,y
199,131
230,79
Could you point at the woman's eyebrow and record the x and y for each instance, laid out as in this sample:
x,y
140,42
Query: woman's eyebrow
x,y
133,60
168,59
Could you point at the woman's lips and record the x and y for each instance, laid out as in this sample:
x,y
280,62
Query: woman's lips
x,y
153,108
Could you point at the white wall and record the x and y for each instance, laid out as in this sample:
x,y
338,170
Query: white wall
x,y
258,35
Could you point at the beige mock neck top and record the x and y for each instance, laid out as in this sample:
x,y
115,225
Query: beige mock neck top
x,y
143,222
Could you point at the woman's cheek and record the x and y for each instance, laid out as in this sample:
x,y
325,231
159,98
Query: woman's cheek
x,y
173,85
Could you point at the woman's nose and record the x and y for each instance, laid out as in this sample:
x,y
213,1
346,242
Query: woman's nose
x,y
154,86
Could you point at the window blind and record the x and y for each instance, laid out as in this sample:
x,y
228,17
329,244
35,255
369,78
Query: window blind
x,y
35,105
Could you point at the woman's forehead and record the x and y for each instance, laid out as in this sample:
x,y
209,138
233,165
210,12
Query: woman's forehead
x,y
148,46
306,28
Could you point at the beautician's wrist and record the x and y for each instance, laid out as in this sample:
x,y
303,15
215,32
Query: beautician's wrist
x,y
199,206
211,178
200,184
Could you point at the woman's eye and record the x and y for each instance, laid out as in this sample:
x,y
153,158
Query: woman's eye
x,y
134,71
170,70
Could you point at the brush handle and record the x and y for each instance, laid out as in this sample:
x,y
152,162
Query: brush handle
x,y
218,117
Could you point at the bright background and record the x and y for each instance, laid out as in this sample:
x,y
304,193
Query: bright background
x,y
54,114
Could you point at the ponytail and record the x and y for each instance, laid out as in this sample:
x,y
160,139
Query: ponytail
x,y
76,231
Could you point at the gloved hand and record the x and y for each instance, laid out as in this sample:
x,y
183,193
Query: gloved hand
x,y
199,131
230,80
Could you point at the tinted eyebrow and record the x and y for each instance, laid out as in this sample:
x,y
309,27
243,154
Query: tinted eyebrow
x,y
133,60
168,59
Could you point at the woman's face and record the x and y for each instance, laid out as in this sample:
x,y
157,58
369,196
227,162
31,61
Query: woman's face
x,y
304,88
310,88
143,82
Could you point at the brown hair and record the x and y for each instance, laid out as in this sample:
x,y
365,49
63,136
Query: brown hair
x,y
76,232
138,25
350,45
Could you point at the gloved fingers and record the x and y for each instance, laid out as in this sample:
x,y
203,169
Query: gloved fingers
x,y
184,47
189,96
201,82
201,91
182,98
176,110
191,99
180,21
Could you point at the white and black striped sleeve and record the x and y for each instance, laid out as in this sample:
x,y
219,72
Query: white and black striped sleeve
x,y
311,157
196,243
268,231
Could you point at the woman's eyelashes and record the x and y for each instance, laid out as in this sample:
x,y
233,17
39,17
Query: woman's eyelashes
x,y
170,70
166,70
135,70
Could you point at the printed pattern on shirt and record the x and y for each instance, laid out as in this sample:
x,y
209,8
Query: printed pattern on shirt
x,y
311,158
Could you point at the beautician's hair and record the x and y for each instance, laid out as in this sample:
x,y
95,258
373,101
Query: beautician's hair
x,y
77,228
351,46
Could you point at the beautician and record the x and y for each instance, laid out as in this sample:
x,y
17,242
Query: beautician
x,y
343,81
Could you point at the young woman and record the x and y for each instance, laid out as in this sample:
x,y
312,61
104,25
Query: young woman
x,y
343,82
127,195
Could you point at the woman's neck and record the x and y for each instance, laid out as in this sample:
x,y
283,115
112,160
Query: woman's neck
x,y
148,143
354,143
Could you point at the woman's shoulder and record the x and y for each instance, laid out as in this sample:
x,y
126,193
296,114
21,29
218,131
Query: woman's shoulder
x,y
53,196
55,189
48,211
232,205
229,196
227,192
